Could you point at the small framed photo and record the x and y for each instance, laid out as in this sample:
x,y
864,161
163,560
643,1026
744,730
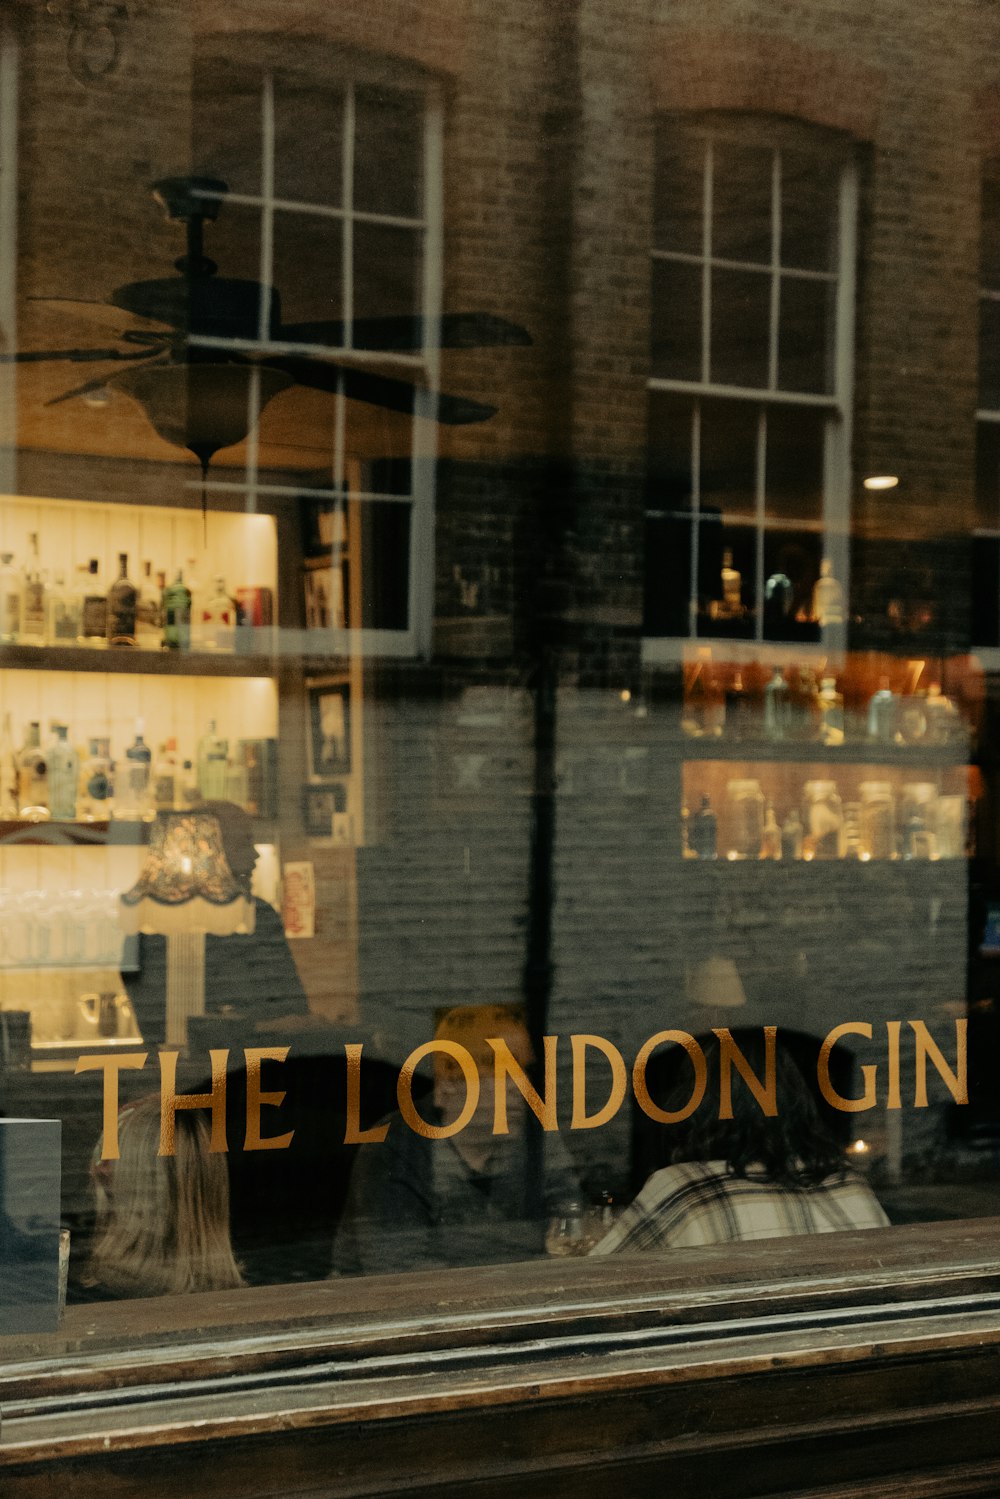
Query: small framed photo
x,y
323,594
330,731
322,807
324,524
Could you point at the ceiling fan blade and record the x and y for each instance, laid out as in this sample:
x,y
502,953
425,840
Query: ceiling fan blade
x,y
79,308
379,390
73,356
84,390
458,330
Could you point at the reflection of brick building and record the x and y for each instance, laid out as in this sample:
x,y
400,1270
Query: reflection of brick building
x,y
544,145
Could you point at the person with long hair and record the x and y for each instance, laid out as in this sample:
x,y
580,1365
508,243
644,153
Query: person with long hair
x,y
754,1176
162,1221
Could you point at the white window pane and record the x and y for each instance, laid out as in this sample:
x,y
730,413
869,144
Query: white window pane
x,y
306,113
794,463
805,335
741,202
741,323
307,266
729,456
388,152
676,320
387,267
809,194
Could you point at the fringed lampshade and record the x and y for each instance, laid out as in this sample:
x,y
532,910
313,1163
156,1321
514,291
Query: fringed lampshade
x,y
186,890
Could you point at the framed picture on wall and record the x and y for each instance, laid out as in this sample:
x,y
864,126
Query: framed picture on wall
x,y
329,730
323,810
324,524
323,593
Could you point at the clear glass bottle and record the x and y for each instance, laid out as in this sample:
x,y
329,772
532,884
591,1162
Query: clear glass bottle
x,y
827,597
10,600
176,612
64,610
918,820
770,845
9,805
123,596
943,720
134,786
878,821
165,787
744,819
94,612
732,587
883,711
64,773
219,619
777,707
32,776
213,755
703,715
831,713
792,833
703,832
823,820
33,619
148,624
190,796
96,787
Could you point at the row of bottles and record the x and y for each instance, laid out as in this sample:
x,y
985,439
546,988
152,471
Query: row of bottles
x,y
920,824
797,704
39,609
826,605
66,784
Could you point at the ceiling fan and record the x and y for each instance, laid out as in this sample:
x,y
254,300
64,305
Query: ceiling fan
x,y
204,398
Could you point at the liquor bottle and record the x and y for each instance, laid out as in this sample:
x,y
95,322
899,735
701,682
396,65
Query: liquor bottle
x,y
704,832
777,707
134,791
33,598
732,587
64,612
94,614
123,596
213,754
792,833
190,796
10,600
703,715
176,612
805,705
219,619
943,720
94,801
165,788
827,597
883,713
148,625
831,709
738,712
198,599
32,777
9,805
64,772
770,844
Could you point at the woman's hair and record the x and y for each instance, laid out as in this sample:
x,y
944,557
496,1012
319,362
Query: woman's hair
x,y
794,1147
162,1221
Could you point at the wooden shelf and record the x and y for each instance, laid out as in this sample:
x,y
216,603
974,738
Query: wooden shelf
x,y
76,658
82,834
852,752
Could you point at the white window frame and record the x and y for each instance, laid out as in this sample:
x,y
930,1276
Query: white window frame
x,y
834,525
423,367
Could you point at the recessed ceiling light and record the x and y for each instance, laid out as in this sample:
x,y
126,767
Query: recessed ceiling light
x,y
881,481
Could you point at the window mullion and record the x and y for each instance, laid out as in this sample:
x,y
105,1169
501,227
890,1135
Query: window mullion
x,y
775,307
706,267
695,516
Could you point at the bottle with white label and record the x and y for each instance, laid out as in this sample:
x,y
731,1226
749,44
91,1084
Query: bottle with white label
x,y
94,801
213,756
10,600
64,773
134,790
32,777
33,599
8,772
219,619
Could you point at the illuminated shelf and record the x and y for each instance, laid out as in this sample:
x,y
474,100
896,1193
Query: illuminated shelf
x,y
81,658
852,752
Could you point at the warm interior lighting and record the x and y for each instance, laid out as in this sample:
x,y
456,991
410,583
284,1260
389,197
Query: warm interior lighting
x,y
881,481
859,1147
